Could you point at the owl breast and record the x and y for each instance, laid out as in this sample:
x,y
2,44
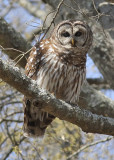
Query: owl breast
x,y
64,80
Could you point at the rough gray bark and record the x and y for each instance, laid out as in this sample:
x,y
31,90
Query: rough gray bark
x,y
9,38
103,56
103,52
96,101
86,120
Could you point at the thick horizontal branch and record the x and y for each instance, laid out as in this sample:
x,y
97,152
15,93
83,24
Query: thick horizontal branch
x,y
86,120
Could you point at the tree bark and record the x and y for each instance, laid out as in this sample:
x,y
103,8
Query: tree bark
x,y
96,101
12,43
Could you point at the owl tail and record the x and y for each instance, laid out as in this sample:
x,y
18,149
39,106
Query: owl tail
x,y
35,120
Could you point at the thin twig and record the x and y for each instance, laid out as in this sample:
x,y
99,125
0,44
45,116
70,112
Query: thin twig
x,y
36,149
6,49
23,55
8,133
87,146
55,15
10,120
46,18
11,149
79,11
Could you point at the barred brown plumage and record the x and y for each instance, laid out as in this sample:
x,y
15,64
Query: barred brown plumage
x,y
58,64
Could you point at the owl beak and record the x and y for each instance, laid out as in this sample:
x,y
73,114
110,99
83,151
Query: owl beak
x,y
73,42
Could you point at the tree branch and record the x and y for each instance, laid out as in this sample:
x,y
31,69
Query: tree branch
x,y
6,155
102,55
87,146
98,83
33,9
13,40
83,118
96,101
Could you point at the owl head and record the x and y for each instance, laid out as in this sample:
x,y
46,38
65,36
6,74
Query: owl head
x,y
72,34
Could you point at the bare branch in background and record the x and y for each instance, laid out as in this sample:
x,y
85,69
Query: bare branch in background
x,y
10,120
98,83
55,15
96,102
102,55
33,9
9,38
87,146
7,153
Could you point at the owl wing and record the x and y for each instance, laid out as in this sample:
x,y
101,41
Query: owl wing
x,y
35,121
32,63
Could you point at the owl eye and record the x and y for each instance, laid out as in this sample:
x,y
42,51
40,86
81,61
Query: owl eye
x,y
78,34
65,34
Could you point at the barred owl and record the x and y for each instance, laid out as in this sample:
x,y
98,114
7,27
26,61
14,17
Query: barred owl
x,y
57,64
